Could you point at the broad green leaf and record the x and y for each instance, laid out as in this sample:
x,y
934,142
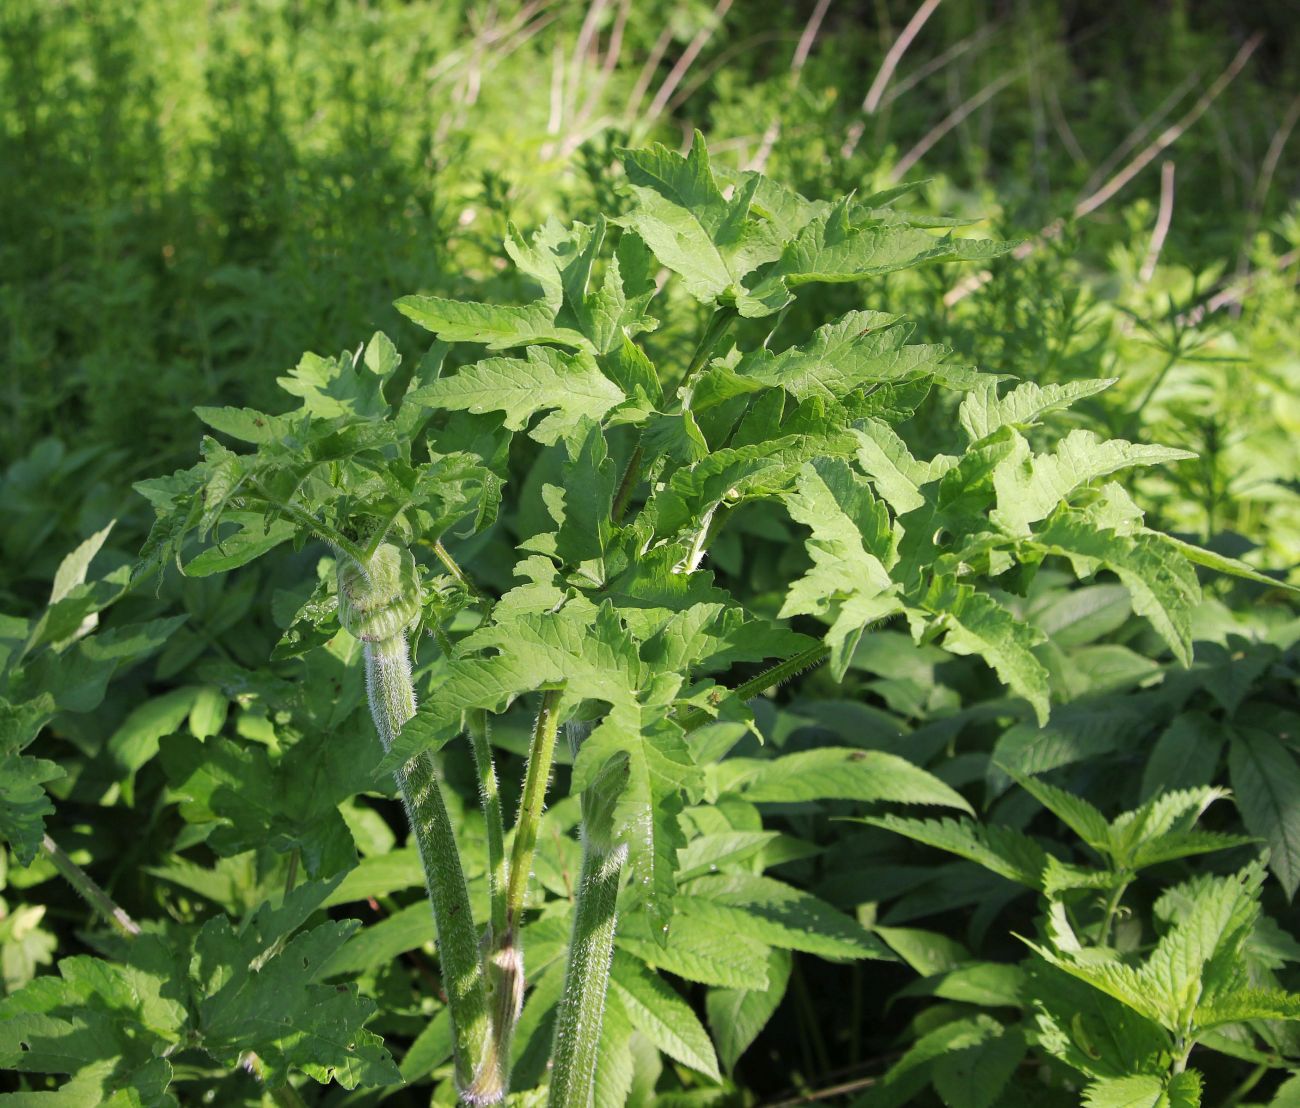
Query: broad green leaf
x,y
498,326
974,623
850,546
776,914
679,210
839,773
897,476
659,1012
982,412
264,994
1029,486
1161,583
245,424
1221,563
861,348
1007,852
697,952
253,539
850,242
1266,782
568,387
736,1016
332,388
23,802
105,1023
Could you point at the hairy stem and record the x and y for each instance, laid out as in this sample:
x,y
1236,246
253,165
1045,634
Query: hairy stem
x,y
489,795
586,977
530,808
377,602
89,889
769,678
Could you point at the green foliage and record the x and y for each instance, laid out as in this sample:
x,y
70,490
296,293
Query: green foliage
x,y
665,456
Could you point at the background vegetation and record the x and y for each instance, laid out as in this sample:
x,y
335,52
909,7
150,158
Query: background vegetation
x,y
193,194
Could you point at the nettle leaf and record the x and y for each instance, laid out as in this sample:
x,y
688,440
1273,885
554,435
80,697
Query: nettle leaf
x,y
1007,852
1075,812
570,387
776,914
1181,1090
696,951
838,773
1266,782
658,1011
736,1016
1198,960
1091,1031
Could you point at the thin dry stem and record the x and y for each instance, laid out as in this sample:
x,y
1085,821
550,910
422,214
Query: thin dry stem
x,y
895,55
1170,134
801,52
684,63
1163,218
1139,133
950,121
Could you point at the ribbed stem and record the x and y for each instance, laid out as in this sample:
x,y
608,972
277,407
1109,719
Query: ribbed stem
x,y
490,796
536,779
392,703
586,978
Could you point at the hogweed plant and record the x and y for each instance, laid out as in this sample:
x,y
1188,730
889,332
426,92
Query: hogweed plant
x,y
549,423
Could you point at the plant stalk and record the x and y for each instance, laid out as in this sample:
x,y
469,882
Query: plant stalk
x,y
581,1011
769,678
392,703
89,889
490,796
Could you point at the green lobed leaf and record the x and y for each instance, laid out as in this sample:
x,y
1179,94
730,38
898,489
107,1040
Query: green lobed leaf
x,y
840,773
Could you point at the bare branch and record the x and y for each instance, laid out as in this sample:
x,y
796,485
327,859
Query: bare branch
x,y
950,121
1163,218
895,55
1171,134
